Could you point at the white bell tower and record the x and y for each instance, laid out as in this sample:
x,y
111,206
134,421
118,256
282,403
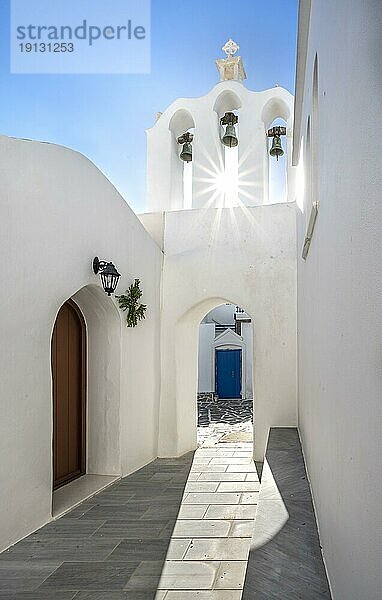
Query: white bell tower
x,y
218,175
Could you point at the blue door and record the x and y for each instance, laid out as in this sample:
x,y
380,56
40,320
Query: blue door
x,y
228,373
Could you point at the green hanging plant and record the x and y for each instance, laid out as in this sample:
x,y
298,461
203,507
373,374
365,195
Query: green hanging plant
x,y
130,302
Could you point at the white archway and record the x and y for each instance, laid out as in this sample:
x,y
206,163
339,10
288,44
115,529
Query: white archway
x,y
180,415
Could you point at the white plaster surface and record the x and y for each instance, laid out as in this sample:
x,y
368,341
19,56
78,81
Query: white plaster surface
x,y
59,212
340,292
206,360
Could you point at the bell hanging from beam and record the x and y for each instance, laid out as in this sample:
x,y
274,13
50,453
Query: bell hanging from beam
x,y
276,148
186,152
230,137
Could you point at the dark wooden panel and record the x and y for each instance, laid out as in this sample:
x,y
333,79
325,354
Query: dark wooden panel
x,y
69,378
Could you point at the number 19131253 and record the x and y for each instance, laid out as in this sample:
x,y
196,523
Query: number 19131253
x,y
46,47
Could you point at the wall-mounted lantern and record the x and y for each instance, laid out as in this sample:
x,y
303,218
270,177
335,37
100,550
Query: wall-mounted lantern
x,y
276,148
186,140
229,138
108,273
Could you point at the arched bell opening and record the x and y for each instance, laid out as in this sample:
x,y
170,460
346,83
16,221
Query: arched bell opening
x,y
182,127
227,110
277,163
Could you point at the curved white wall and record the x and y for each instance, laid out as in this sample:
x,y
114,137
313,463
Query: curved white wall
x,y
58,211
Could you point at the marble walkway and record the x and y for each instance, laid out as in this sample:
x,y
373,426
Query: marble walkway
x,y
211,539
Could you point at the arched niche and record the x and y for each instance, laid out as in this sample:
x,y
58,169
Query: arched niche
x,y
273,109
103,324
180,122
227,101
314,133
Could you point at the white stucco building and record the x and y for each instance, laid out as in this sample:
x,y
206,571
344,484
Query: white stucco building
x,y
305,269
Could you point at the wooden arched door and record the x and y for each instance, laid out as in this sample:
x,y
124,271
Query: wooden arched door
x,y
69,395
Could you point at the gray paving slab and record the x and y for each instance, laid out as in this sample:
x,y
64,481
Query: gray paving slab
x,y
285,560
90,576
19,576
92,552
120,595
38,595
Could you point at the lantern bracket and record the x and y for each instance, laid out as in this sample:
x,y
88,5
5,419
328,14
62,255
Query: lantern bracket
x,y
98,265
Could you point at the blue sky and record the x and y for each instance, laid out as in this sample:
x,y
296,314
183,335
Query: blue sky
x,y
105,116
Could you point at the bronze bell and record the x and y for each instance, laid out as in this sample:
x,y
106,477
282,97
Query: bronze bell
x,y
276,148
230,137
186,152
276,133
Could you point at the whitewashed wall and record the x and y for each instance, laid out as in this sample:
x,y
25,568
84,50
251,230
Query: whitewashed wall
x,y
206,357
247,335
57,212
205,265
340,290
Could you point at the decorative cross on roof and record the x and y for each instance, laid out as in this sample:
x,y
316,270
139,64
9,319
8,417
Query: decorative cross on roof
x,y
230,48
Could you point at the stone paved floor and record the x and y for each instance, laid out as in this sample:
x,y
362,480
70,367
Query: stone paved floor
x,y
148,536
111,547
225,421
226,411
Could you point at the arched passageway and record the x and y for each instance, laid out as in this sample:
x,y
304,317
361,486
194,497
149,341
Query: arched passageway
x,y
179,415
225,376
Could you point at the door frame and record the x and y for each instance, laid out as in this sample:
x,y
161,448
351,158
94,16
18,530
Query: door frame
x,y
83,443
241,375
218,345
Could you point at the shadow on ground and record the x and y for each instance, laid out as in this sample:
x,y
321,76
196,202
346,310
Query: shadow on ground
x,y
112,546
285,563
